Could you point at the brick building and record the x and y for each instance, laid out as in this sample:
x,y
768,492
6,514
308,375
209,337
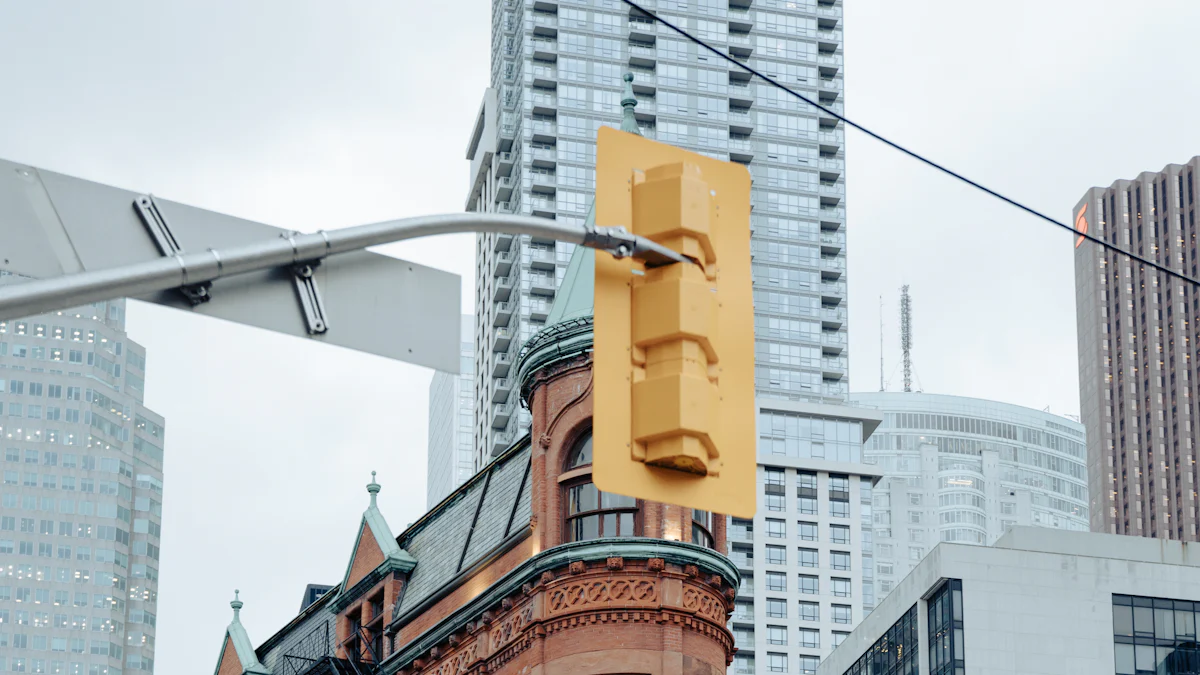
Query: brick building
x,y
526,568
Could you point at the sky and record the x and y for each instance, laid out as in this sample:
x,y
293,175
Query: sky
x,y
316,115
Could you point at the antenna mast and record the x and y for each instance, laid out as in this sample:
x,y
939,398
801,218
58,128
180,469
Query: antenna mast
x,y
906,335
881,343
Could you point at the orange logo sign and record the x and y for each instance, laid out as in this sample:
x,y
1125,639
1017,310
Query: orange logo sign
x,y
1081,225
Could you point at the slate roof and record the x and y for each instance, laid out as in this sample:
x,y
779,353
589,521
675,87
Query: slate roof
x,y
468,525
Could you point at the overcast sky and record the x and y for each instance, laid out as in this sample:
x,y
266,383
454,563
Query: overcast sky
x,y
320,115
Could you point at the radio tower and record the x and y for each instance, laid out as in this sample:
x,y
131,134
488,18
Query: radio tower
x,y
906,335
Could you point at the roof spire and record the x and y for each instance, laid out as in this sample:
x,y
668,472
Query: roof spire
x,y
628,103
373,488
236,604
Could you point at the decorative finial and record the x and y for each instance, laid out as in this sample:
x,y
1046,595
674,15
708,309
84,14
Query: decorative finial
x,y
628,103
236,604
373,488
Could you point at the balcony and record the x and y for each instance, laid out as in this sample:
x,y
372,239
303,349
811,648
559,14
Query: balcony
x,y
747,587
504,188
741,533
545,77
829,39
833,343
743,561
740,20
503,289
743,614
501,388
544,103
833,216
741,123
744,642
741,150
544,131
831,139
505,162
740,4
541,207
501,414
833,292
543,259
832,164
501,365
832,243
641,30
642,56
539,309
504,312
741,45
833,317
545,24
504,241
501,442
543,284
831,193
502,339
832,268
544,50
828,17
740,95
542,182
544,158
504,263
833,367
644,82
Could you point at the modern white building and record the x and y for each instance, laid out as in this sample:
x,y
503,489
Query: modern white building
x,y
451,458
557,69
1037,602
81,499
806,556
967,470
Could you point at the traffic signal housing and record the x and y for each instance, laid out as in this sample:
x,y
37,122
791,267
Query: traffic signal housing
x,y
673,368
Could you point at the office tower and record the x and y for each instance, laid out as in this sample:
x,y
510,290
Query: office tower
x,y
557,71
451,423
967,470
806,557
82,495
1138,332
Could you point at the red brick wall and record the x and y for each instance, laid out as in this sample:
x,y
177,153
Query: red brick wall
x,y
230,663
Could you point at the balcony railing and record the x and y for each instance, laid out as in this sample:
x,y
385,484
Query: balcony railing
x,y
833,263
833,338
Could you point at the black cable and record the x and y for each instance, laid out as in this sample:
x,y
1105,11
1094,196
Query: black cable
x,y
910,153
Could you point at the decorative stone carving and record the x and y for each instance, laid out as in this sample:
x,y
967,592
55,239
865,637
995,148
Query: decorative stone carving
x,y
599,592
527,589
656,564
544,440
455,640
510,627
704,604
691,571
730,594
616,563
547,577
506,604
577,567
714,580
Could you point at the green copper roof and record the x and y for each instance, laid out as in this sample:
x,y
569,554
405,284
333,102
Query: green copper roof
x,y
628,103
236,635
576,295
374,521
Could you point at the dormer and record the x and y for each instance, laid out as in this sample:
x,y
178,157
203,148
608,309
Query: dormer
x,y
237,654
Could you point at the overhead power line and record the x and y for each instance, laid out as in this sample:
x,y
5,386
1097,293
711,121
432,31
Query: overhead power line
x,y
915,155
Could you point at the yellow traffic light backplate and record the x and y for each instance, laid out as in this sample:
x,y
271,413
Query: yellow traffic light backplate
x,y
674,346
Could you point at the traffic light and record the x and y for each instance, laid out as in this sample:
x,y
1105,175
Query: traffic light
x,y
674,345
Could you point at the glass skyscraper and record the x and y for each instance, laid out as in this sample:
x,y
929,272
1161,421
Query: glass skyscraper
x,y
556,79
451,423
81,494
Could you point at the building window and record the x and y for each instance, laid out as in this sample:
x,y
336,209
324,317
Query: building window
x,y
839,637
809,585
776,528
776,663
776,555
841,587
841,613
810,611
839,560
810,638
839,509
914,498
1155,635
839,534
702,527
808,531
946,630
915,553
592,514
806,506
808,557
743,664
776,608
894,653
914,517
777,635
808,665
774,502
776,581
839,488
806,484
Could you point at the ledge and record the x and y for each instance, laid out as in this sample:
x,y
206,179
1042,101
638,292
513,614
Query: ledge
x,y
634,548
550,345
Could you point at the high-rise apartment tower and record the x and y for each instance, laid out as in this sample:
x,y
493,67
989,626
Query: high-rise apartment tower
x,y
451,457
1138,340
556,78
82,495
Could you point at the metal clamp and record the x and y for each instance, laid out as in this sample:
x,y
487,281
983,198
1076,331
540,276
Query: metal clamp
x,y
306,287
164,239
622,244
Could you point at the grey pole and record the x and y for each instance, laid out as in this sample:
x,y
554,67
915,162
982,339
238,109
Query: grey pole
x,y
185,269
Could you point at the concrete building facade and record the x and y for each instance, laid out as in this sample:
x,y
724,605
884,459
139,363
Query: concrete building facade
x,y
451,446
82,493
1138,334
1037,602
525,568
557,69
967,470
806,556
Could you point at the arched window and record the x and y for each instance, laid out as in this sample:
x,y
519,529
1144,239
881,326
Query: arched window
x,y
590,513
702,528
